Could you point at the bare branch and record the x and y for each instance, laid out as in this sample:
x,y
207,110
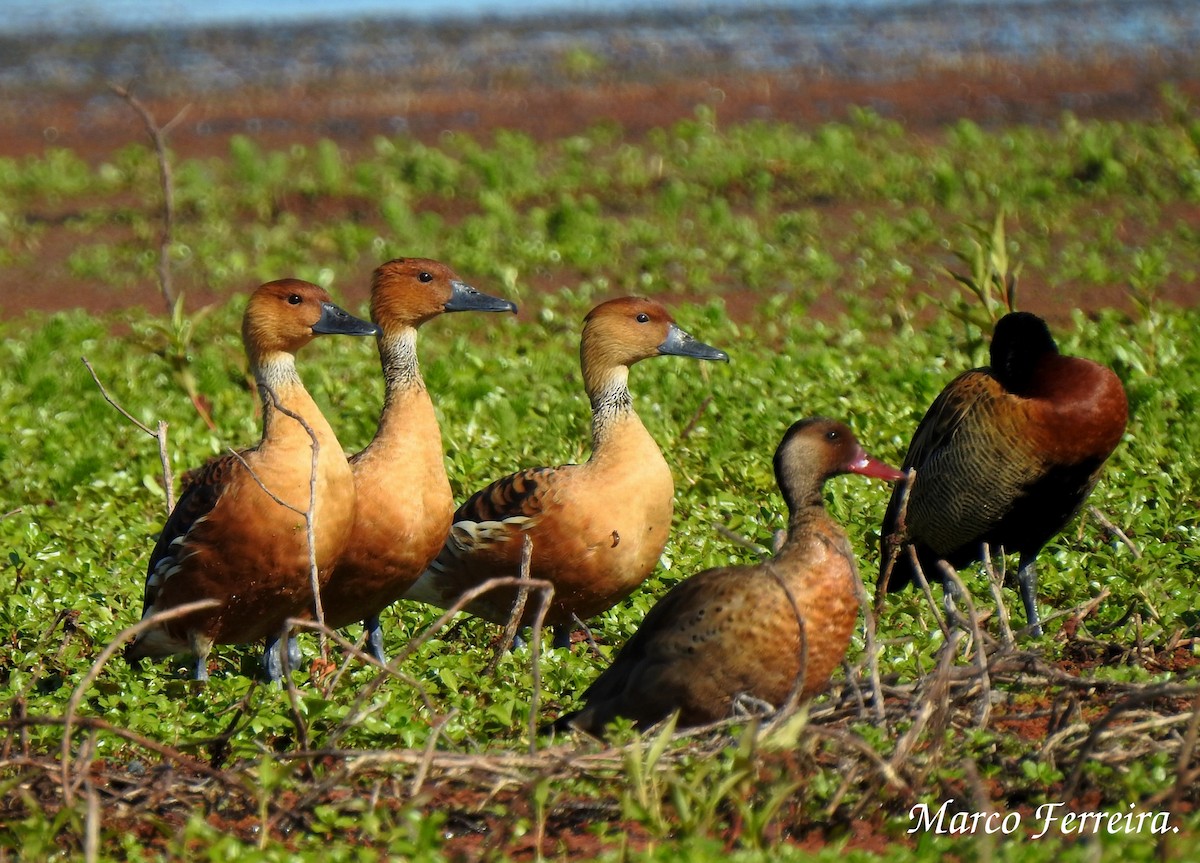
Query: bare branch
x,y
158,136
893,545
789,705
996,582
950,576
387,670
469,596
734,536
94,672
695,420
1186,774
160,436
923,584
310,514
430,751
518,608
535,652
91,831
871,645
1110,526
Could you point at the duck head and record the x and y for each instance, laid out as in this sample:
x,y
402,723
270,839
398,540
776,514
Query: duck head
x,y
285,315
1019,343
407,292
627,330
817,448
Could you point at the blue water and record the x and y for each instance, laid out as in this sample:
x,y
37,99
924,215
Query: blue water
x,y
75,16
1137,18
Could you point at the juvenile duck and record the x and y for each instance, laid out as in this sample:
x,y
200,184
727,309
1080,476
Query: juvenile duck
x,y
735,632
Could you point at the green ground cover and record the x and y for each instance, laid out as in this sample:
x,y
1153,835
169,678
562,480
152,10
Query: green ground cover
x,y
784,218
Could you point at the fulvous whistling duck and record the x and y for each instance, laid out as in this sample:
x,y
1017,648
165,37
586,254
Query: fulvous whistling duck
x,y
404,499
748,632
597,528
1006,455
229,539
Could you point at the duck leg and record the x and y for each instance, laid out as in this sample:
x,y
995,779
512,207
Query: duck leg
x,y
200,648
273,664
561,637
951,596
272,657
746,705
1027,583
374,631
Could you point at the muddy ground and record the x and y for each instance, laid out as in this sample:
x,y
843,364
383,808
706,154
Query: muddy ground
x,y
353,109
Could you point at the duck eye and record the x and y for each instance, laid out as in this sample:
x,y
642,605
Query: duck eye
x,y
295,299
425,277
642,317
831,435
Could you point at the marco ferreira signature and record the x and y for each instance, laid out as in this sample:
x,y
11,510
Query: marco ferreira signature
x,y
1047,817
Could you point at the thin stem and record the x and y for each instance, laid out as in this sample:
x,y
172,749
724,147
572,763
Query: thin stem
x,y
158,136
94,672
160,436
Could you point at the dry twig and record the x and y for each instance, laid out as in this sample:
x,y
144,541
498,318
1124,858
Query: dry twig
x,y
160,435
94,672
518,607
896,542
978,638
1110,526
789,705
309,514
158,136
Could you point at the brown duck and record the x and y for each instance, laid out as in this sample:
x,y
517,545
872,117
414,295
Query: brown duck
x,y
598,528
731,633
1006,455
229,539
404,501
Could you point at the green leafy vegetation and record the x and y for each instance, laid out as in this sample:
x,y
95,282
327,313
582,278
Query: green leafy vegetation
x,y
818,258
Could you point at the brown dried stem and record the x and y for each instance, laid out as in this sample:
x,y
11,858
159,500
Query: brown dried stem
x,y
98,665
161,436
1110,526
785,710
158,136
518,607
310,514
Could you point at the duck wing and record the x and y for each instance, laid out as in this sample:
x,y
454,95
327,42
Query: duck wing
x,y
668,663
969,452
486,534
202,487
521,495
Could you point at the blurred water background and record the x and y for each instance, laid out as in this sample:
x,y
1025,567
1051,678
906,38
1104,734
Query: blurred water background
x,y
216,44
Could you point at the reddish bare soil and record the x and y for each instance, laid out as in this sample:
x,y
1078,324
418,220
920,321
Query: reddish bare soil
x,y
95,124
